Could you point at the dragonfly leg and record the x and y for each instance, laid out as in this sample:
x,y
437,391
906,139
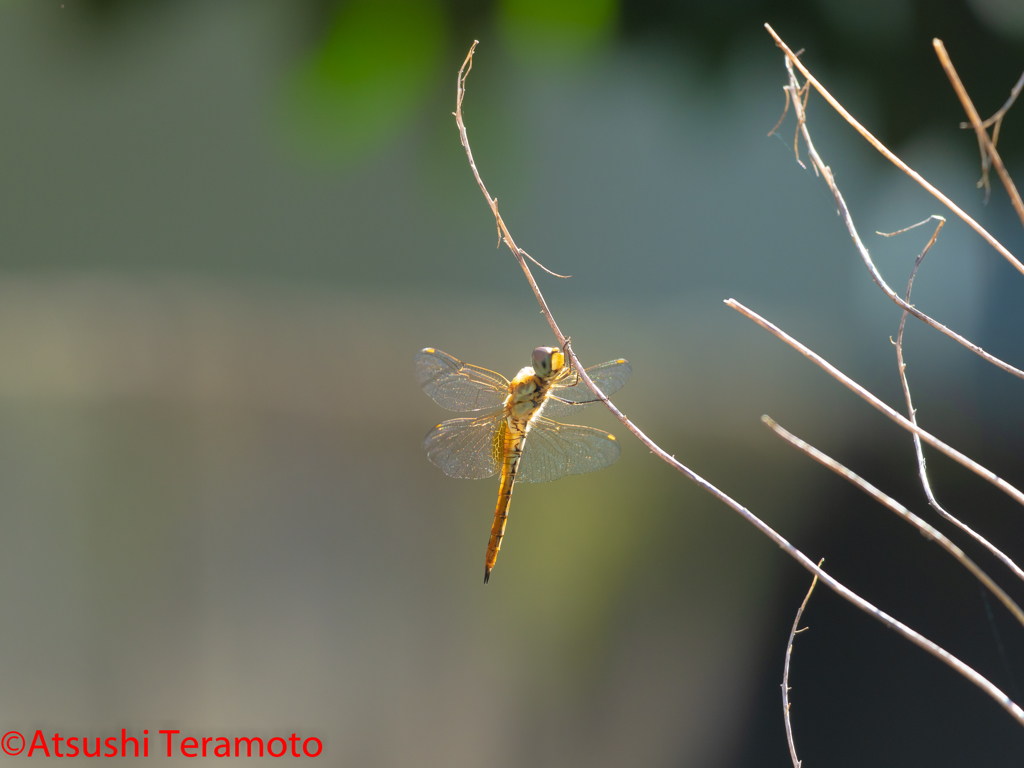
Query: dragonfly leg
x,y
571,402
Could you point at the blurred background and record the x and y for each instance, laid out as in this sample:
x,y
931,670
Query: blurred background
x,y
225,229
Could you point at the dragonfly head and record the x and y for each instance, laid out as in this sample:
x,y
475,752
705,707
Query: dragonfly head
x,y
547,360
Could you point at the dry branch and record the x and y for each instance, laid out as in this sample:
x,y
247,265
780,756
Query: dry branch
x,y
988,146
926,530
912,414
820,167
785,671
826,172
997,121
997,118
1002,249
1001,698
841,377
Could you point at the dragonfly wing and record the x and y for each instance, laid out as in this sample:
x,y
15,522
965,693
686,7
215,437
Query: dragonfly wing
x,y
469,449
555,450
609,377
457,386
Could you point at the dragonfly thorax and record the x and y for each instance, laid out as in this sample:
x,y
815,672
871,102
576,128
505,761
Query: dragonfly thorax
x,y
527,392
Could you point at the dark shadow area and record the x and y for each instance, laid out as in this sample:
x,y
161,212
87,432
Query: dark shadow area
x,y
861,694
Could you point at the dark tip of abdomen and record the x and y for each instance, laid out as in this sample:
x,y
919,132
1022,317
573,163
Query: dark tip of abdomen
x,y
487,574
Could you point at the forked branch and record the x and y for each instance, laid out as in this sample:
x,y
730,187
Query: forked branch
x,y
841,377
926,530
996,122
997,118
820,167
1001,698
922,469
985,142
1002,249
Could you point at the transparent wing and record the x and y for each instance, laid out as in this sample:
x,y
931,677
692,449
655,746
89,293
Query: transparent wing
x,y
468,449
457,386
554,450
608,377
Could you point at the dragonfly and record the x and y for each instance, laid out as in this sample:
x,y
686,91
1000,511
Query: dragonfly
x,y
511,432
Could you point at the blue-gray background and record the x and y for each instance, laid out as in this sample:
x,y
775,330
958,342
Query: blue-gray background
x,y
225,227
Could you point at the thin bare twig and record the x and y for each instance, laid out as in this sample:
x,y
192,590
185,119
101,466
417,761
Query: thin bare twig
x,y
997,118
912,413
841,377
553,274
800,97
826,172
847,594
467,65
785,671
785,111
985,141
933,217
1003,250
926,530
997,121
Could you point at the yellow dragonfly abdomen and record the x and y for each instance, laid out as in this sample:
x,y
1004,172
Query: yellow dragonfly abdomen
x,y
511,452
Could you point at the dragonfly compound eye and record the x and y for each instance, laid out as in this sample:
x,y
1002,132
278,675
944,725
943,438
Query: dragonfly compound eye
x,y
542,360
